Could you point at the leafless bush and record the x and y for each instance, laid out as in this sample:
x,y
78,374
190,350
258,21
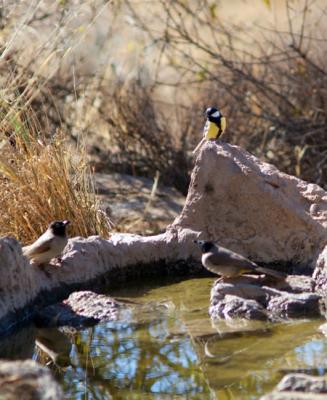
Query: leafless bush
x,y
126,126
140,139
270,83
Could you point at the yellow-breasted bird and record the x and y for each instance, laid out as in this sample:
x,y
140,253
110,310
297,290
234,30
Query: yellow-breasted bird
x,y
214,127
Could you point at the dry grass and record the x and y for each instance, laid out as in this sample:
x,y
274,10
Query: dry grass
x,y
41,181
42,176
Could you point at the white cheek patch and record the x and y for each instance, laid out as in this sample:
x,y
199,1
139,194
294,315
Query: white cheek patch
x,y
215,114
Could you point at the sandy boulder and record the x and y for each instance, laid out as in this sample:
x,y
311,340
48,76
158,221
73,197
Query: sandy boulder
x,y
253,208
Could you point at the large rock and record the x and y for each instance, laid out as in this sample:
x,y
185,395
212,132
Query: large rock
x,y
252,298
234,198
17,286
254,209
80,310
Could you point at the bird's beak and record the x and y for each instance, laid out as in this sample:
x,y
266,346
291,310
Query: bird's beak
x,y
66,222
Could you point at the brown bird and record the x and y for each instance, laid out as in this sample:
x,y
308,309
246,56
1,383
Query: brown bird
x,y
229,264
49,245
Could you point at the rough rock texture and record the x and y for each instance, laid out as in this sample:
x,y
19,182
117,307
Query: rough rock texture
x,y
251,298
237,307
303,383
234,198
27,380
320,272
293,396
299,386
295,305
80,310
254,209
17,286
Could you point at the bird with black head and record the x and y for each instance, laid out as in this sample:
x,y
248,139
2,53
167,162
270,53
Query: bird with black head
x,y
49,245
214,127
229,264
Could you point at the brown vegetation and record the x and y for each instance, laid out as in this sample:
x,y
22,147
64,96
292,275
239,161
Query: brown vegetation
x,y
270,83
41,181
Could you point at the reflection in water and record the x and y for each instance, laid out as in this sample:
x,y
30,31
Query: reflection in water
x,y
52,344
135,358
164,346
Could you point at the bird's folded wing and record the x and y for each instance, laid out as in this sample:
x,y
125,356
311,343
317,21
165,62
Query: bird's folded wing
x,y
230,258
38,247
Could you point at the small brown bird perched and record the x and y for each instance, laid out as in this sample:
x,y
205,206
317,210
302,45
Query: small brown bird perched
x,y
49,245
228,264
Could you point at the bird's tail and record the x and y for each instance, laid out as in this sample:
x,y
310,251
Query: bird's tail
x,y
276,274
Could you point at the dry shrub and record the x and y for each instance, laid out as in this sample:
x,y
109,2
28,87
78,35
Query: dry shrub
x,y
270,82
128,127
128,131
41,181
140,139
42,176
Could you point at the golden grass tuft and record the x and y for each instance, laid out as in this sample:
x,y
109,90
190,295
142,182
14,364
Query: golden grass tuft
x,y
42,180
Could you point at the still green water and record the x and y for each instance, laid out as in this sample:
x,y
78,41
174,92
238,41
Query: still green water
x,y
164,346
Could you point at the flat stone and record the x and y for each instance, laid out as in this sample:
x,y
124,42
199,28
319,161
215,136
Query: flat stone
x,y
244,290
236,307
303,383
278,303
80,310
299,386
